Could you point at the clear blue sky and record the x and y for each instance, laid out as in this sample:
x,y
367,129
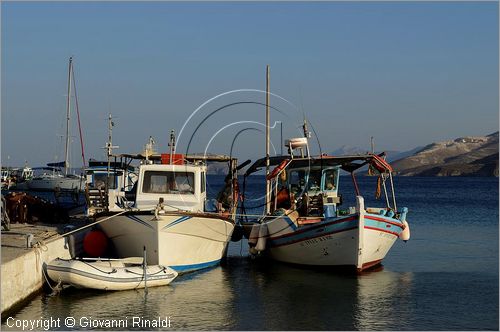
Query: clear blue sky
x,y
406,73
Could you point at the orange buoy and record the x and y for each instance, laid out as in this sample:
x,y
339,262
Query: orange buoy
x,y
95,243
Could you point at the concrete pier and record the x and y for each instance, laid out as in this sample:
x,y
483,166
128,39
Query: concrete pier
x,y
22,267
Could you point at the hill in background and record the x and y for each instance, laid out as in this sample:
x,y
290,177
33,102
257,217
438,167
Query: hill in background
x,y
464,156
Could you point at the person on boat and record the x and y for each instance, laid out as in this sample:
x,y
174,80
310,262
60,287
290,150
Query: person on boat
x,y
330,182
224,197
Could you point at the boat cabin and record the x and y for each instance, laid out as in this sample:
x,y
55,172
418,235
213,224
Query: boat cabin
x,y
310,185
5,174
116,179
176,182
317,187
180,187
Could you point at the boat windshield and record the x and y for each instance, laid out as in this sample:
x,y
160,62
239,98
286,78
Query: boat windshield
x,y
99,181
160,182
330,179
301,180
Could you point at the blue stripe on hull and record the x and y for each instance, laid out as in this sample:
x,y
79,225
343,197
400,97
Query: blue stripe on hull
x,y
384,226
318,230
138,220
193,267
177,221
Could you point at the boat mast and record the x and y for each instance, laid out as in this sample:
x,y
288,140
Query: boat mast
x,y
268,183
68,115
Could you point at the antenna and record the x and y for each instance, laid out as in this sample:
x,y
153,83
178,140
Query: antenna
x,y
109,149
172,145
109,144
149,148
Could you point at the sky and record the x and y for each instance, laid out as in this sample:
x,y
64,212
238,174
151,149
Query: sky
x,y
406,73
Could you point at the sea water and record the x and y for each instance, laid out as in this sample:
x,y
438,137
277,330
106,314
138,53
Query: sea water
x,y
444,278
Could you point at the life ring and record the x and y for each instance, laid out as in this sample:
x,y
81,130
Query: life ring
x,y
380,164
277,169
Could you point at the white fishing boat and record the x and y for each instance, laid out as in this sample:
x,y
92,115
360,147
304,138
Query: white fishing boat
x,y
109,274
305,223
19,178
166,212
7,181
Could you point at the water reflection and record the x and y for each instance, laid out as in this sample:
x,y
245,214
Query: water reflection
x,y
263,295
277,296
196,301
384,301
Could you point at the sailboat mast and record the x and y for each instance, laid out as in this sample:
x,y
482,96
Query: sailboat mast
x,y
268,120
68,116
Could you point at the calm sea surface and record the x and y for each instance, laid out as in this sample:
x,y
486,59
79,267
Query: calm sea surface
x,y
444,278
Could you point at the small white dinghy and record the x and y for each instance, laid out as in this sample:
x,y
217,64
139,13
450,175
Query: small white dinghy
x,y
109,274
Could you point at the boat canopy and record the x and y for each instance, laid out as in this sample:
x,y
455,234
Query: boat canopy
x,y
188,157
112,164
46,168
347,163
59,164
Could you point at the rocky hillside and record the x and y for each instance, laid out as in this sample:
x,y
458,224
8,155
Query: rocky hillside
x,y
464,156
391,155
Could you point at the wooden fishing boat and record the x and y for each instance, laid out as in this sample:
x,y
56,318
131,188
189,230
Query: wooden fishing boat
x,y
305,223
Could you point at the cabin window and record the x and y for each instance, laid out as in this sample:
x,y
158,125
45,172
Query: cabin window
x,y
203,185
314,180
99,181
156,182
330,179
296,179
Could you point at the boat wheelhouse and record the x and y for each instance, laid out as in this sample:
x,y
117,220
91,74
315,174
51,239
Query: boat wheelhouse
x,y
115,178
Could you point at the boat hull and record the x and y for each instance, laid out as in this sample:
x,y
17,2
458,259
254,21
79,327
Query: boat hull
x,y
50,184
185,242
358,241
108,275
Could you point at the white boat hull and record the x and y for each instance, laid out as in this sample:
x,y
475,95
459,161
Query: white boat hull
x,y
108,274
50,184
357,240
185,242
